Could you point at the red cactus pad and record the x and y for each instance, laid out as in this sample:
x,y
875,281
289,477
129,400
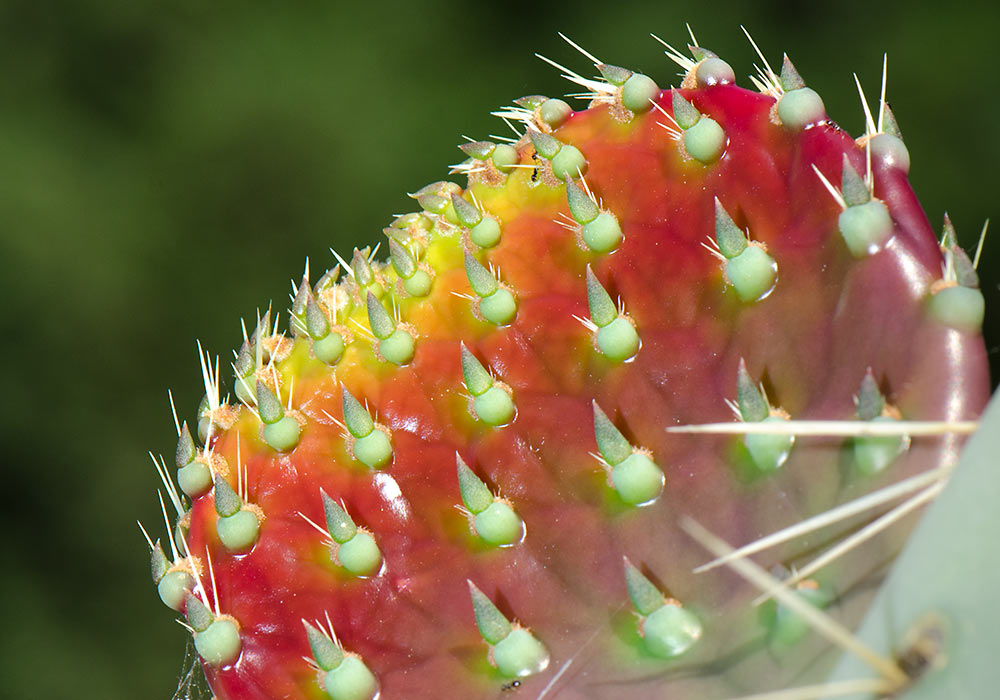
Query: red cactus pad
x,y
458,468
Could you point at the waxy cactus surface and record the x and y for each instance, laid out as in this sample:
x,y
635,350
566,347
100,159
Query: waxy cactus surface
x,y
474,466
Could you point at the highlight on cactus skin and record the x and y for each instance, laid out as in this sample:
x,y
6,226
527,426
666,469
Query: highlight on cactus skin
x,y
642,408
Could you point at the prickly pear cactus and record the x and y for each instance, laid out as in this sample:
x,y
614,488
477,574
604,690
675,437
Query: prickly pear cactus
x,y
502,460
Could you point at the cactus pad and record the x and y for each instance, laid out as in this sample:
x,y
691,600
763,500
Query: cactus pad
x,y
464,470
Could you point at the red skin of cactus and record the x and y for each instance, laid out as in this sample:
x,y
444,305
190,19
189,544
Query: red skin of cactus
x,y
830,317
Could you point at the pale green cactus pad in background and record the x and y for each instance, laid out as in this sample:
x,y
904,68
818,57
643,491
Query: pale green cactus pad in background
x,y
937,611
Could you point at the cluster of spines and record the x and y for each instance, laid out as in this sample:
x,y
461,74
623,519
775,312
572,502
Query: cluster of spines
x,y
494,301
238,526
864,223
746,264
216,637
632,473
352,547
343,675
767,451
956,300
704,139
491,517
173,579
597,229
872,454
194,475
798,106
615,335
514,650
492,400
667,628
368,442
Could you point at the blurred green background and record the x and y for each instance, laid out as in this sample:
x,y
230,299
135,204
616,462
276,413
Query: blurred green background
x,y
166,167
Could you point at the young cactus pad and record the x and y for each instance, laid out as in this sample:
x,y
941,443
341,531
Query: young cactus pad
x,y
573,328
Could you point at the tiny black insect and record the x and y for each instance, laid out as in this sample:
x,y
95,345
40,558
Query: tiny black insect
x,y
513,685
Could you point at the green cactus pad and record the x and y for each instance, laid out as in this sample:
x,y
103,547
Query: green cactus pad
x,y
800,108
498,308
554,112
350,680
890,150
418,284
865,227
752,273
398,348
637,479
374,449
785,627
505,157
239,532
714,71
219,644
962,308
494,406
360,555
618,340
329,349
174,588
769,452
603,234
937,610
873,455
519,654
282,435
638,93
499,525
569,162
670,631
195,479
486,233
705,141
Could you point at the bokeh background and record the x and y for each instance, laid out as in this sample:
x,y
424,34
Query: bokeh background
x,y
166,167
